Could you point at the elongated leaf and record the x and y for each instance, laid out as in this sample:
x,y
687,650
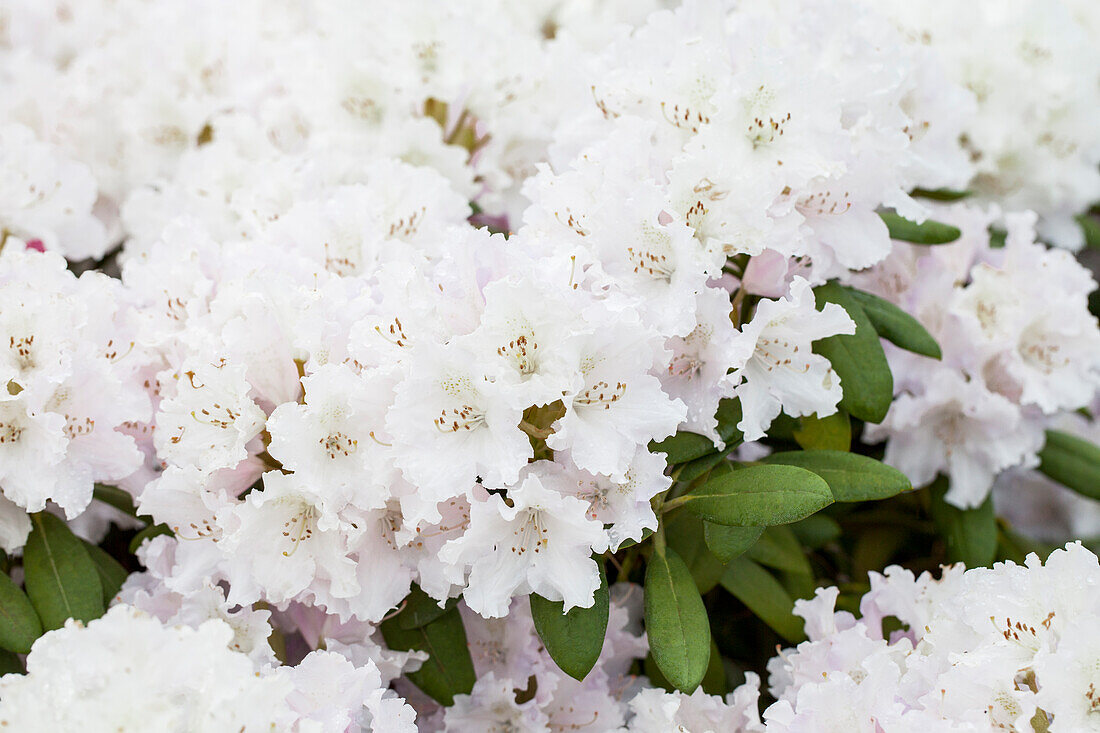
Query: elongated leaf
x,y
111,574
684,533
714,681
851,477
832,433
682,447
10,663
421,609
448,670
1091,228
153,530
1072,462
765,596
760,496
930,232
728,415
19,624
858,359
727,542
779,548
941,194
116,497
676,620
970,534
574,640
816,531
694,469
60,577
896,326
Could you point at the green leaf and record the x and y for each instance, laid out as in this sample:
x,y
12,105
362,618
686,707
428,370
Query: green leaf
x,y
728,415
941,194
765,596
694,469
851,477
779,548
676,620
833,432
895,325
684,533
421,609
727,542
10,663
116,497
714,681
970,534
858,359
111,573
930,232
153,530
682,447
60,577
1072,462
19,624
1091,228
757,496
816,531
573,640
448,670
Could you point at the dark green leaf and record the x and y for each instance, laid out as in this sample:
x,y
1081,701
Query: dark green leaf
x,y
970,534
646,534
779,548
60,577
448,670
116,497
676,620
714,681
111,574
759,496
833,432
421,609
10,663
858,359
1091,228
765,596
816,531
727,542
941,194
685,534
851,477
573,640
896,326
694,469
19,624
153,530
1072,462
728,415
682,447
930,232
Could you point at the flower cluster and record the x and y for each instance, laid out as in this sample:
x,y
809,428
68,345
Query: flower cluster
x,y
984,649
406,295
1019,348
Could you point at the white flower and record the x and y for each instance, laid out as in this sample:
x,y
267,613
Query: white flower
x,y
618,405
336,439
451,424
285,539
783,373
210,419
960,428
540,541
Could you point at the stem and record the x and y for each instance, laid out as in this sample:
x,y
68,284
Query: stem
x,y
536,433
679,501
